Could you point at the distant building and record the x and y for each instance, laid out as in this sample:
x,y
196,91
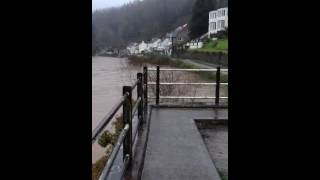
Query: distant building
x,y
180,35
133,48
143,47
154,44
195,44
218,20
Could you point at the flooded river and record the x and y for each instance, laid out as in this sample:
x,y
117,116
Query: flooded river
x,y
108,76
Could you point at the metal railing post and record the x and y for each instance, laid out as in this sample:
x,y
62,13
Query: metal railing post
x,y
158,85
139,95
127,119
145,90
217,97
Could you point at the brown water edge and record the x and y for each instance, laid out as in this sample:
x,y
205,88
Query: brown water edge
x,y
108,76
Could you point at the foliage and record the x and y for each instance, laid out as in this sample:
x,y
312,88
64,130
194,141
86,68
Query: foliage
x,y
224,178
223,34
139,20
144,20
98,167
106,138
200,17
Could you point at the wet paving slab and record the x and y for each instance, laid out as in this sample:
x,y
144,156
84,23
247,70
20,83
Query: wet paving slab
x,y
175,148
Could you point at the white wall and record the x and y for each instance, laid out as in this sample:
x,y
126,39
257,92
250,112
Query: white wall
x,y
194,45
216,19
143,47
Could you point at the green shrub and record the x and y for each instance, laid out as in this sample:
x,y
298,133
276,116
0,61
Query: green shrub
x,y
224,178
98,167
107,138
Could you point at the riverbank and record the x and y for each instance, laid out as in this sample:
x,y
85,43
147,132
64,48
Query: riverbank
x,y
177,63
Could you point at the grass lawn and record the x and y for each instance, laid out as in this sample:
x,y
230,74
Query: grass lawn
x,y
220,45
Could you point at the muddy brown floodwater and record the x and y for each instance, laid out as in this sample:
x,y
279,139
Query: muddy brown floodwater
x,y
108,77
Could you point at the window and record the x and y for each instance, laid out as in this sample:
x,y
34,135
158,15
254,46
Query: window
x,y
214,26
219,24
222,24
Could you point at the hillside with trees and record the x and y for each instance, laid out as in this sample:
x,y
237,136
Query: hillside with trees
x,y
141,20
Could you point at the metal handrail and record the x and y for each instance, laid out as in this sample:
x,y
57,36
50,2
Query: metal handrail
x,y
125,165
126,133
135,84
182,83
135,108
114,153
187,97
105,121
218,83
197,70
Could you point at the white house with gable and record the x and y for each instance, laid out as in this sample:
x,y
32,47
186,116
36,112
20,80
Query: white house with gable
x,y
218,20
165,46
143,47
154,44
133,48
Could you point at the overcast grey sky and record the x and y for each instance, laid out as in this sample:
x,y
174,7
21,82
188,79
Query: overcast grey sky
x,y
99,4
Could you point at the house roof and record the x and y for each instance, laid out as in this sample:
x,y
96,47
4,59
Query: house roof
x,y
178,30
154,40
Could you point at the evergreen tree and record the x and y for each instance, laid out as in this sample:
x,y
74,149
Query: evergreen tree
x,y
138,20
200,17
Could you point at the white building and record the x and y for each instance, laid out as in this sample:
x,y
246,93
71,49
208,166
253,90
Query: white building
x,y
133,48
143,47
218,20
154,44
165,46
195,44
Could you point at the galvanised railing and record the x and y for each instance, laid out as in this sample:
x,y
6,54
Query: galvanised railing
x,y
127,136
218,84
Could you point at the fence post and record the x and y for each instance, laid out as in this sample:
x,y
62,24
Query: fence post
x,y
145,89
217,86
127,119
139,95
158,85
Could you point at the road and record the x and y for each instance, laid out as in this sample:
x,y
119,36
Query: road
x,y
200,64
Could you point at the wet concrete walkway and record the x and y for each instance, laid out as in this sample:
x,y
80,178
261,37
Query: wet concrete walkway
x,y
175,148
